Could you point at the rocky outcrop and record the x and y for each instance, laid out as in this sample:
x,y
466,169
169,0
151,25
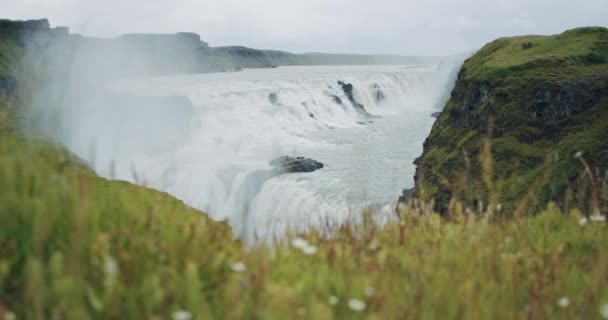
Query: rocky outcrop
x,y
535,108
335,98
26,30
348,88
555,101
243,57
378,93
273,98
286,164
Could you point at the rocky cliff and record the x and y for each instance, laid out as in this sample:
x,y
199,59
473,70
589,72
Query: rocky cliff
x,y
521,109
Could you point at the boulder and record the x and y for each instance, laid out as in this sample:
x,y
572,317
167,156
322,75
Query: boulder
x,y
348,91
273,98
336,99
286,164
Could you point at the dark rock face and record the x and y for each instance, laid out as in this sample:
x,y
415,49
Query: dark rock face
x,y
8,86
273,98
348,91
286,164
535,115
336,99
188,40
243,57
407,195
30,30
471,94
377,92
561,100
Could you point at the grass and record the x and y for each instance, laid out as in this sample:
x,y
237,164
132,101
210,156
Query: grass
x,y
521,77
76,246
565,53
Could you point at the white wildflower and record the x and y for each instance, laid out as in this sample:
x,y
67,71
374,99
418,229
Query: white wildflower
x,y
238,267
9,315
583,221
333,300
563,302
578,155
309,250
604,311
299,243
373,245
111,266
598,218
182,315
356,305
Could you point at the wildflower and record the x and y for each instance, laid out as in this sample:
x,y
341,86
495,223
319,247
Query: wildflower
x,y
238,267
578,155
9,315
333,300
598,218
182,315
309,250
563,302
583,221
299,243
111,266
373,245
604,311
356,305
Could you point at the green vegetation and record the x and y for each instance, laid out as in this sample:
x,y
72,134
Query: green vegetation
x,y
540,100
76,246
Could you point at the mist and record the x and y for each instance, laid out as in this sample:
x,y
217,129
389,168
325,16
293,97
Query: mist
x,y
206,124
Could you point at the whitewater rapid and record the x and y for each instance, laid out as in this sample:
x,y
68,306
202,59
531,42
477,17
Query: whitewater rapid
x,y
214,156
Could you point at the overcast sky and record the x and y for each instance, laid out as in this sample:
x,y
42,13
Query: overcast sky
x,y
354,26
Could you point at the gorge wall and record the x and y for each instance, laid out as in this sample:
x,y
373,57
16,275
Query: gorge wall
x,y
535,102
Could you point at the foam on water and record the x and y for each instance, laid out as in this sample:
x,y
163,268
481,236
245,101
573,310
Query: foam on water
x,y
221,164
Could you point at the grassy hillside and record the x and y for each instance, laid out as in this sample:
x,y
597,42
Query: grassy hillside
x,y
534,102
76,246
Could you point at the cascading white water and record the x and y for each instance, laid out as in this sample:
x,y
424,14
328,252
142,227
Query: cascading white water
x,y
219,161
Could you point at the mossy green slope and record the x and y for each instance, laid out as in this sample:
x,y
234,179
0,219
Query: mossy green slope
x,y
536,100
75,246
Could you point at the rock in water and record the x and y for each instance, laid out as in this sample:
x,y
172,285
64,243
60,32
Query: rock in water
x,y
378,93
286,164
273,98
348,91
336,99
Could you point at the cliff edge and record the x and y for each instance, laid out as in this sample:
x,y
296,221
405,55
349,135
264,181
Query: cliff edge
x,y
535,102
